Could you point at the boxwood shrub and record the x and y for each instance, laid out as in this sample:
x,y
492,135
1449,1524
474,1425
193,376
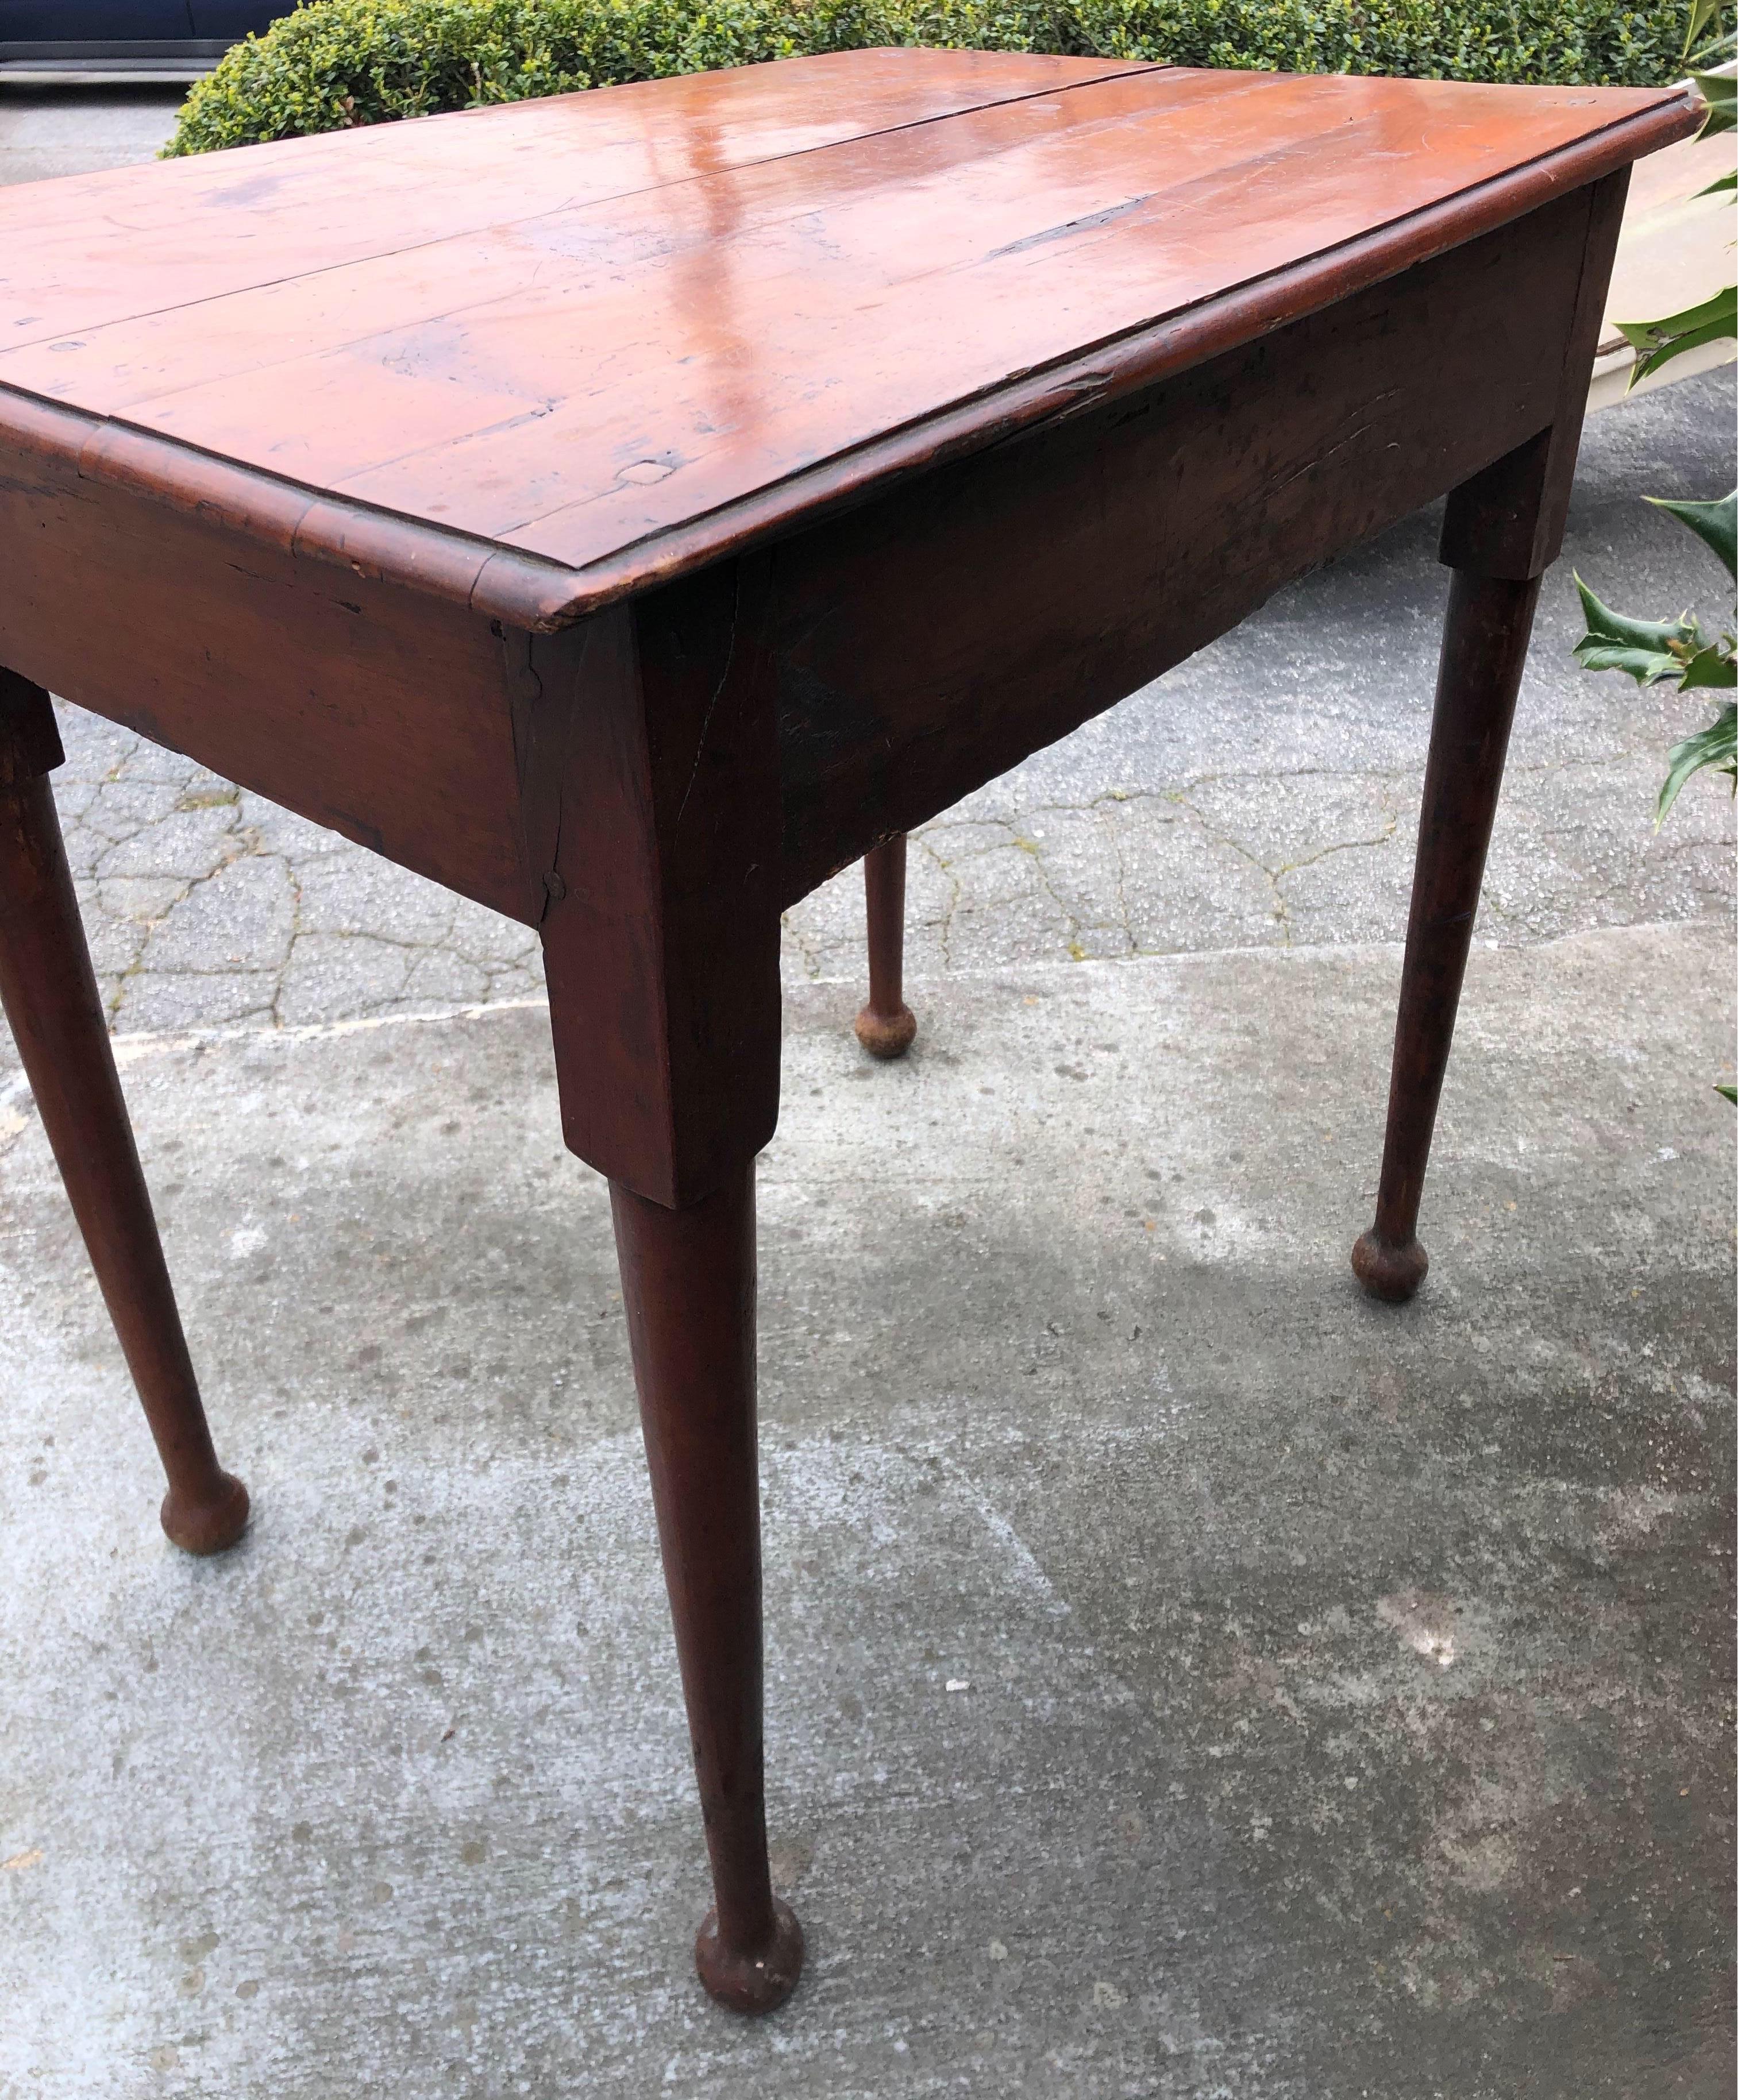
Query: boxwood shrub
x,y
336,63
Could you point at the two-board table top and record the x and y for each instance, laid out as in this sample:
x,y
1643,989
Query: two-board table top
x,y
536,356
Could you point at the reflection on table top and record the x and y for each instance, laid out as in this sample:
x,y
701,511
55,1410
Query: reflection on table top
x,y
592,330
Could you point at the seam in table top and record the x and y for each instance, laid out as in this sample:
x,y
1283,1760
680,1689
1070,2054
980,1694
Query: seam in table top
x,y
571,579
1075,355
134,415
796,210
294,355
615,196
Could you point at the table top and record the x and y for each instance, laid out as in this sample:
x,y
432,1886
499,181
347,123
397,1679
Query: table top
x,y
540,355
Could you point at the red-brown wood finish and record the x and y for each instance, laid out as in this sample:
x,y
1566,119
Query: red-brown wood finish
x,y
1501,530
687,1280
928,640
49,992
377,713
650,757
570,404
1484,649
886,1026
659,498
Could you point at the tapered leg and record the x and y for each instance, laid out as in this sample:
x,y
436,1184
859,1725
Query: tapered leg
x,y
886,1025
50,998
1501,531
652,736
687,1279
1484,647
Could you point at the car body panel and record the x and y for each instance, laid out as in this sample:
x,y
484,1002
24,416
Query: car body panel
x,y
47,43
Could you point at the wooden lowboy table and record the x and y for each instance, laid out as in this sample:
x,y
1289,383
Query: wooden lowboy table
x,y
629,509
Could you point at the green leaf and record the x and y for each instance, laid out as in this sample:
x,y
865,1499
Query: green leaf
x,y
1729,181
1605,625
1658,342
1714,524
1717,52
1717,745
1730,1093
1647,667
1719,90
1716,331
1645,335
1702,12
1711,666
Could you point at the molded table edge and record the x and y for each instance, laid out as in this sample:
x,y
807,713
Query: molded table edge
x,y
530,591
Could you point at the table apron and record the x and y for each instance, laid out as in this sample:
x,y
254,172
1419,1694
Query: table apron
x,y
927,641
382,713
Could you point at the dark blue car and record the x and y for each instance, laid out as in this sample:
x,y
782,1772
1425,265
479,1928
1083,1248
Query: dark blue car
x,y
77,42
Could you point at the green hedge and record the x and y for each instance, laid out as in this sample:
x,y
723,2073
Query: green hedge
x,y
333,64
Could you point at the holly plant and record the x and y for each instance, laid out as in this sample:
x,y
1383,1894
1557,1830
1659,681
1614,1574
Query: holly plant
x,y
1709,41
1657,652
1679,652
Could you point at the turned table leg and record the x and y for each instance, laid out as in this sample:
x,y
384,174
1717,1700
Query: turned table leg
x,y
687,1280
886,1025
49,993
1484,648
1501,530
660,941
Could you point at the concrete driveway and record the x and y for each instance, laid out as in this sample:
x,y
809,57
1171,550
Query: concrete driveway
x,y
72,130
1186,1678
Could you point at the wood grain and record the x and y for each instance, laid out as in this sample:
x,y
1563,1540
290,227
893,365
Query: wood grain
x,y
1508,521
377,712
583,398
926,641
49,992
1478,682
651,731
137,240
688,1284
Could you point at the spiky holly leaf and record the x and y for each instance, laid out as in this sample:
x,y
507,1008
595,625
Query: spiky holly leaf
x,y
1717,746
1605,625
1657,342
1714,524
1713,666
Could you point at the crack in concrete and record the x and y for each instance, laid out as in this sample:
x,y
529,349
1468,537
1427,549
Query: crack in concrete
x,y
1114,873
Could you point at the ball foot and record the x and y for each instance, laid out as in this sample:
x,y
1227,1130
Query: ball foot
x,y
886,1035
208,1525
756,1979
1389,1272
